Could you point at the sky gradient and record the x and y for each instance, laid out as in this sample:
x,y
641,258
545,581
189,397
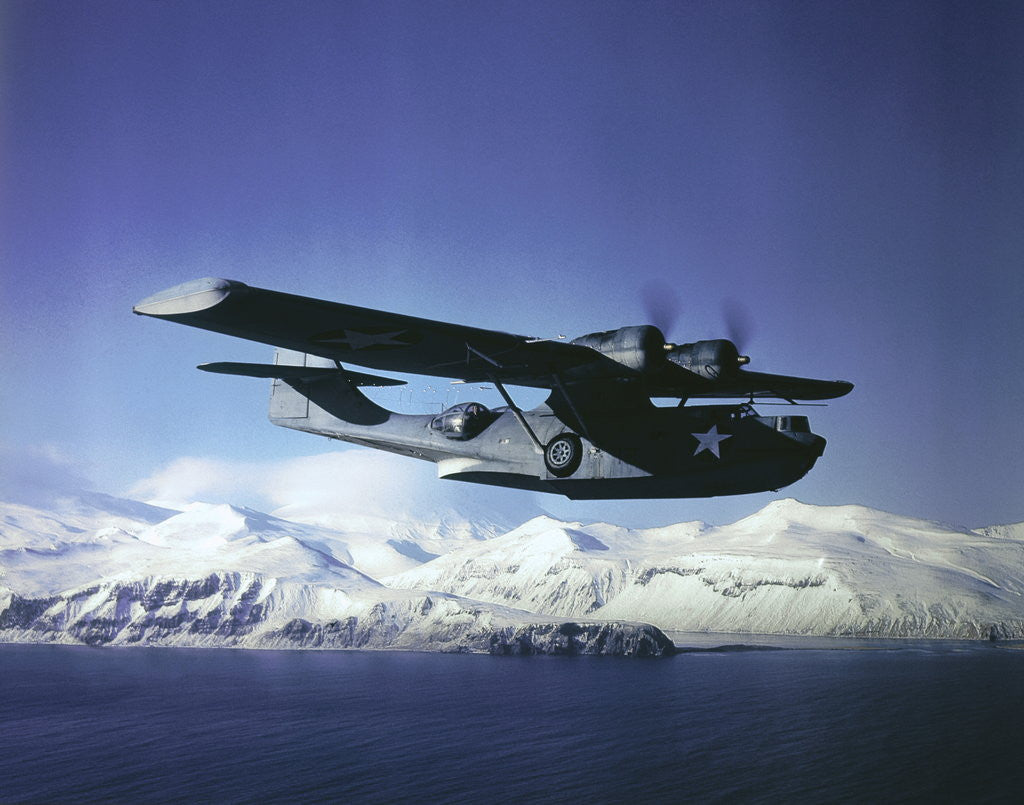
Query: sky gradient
x,y
852,173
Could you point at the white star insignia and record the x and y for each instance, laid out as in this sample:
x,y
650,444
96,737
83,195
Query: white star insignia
x,y
710,441
358,340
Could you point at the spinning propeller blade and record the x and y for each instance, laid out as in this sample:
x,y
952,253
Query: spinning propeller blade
x,y
662,305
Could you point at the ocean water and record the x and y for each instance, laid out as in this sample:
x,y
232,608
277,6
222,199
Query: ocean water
x,y
879,722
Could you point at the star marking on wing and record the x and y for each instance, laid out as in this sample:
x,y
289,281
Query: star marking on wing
x,y
710,441
357,340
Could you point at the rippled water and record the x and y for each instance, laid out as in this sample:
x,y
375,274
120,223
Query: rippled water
x,y
887,722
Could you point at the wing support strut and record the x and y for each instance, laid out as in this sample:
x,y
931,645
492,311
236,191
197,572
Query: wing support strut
x,y
517,413
479,354
565,395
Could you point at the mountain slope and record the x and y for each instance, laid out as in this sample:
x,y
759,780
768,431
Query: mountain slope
x,y
220,575
790,568
104,570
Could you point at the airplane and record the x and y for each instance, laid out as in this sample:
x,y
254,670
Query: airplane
x,y
598,435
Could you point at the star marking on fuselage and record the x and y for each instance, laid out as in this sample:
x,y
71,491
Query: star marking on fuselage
x,y
710,441
357,340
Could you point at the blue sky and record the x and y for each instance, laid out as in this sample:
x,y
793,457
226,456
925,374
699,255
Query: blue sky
x,y
851,172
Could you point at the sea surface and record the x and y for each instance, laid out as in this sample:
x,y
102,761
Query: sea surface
x,y
847,722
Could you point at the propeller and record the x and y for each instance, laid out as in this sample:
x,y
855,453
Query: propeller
x,y
739,324
662,304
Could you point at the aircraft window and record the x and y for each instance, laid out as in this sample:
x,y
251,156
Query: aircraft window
x,y
463,421
792,424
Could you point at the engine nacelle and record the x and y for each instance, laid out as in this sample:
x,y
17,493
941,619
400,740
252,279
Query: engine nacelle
x,y
709,359
639,348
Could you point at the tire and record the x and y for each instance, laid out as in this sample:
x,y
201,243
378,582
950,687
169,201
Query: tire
x,y
563,455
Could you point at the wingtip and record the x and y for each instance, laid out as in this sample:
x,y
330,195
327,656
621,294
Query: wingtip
x,y
189,297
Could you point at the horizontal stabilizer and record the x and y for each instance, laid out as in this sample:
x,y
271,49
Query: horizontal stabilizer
x,y
284,372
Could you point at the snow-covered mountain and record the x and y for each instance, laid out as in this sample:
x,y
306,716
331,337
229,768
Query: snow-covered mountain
x,y
789,569
96,569
383,544
106,571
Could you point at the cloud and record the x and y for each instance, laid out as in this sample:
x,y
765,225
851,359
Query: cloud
x,y
347,479
39,475
338,479
342,481
189,479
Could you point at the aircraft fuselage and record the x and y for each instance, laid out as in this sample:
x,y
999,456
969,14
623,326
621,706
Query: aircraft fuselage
x,y
696,451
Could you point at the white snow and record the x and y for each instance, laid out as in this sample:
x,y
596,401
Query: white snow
x,y
790,568
100,569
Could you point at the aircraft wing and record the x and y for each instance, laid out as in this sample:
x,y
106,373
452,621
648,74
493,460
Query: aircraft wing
x,y
365,337
742,384
397,343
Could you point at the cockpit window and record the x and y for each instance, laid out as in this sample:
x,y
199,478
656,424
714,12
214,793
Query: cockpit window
x,y
792,424
463,421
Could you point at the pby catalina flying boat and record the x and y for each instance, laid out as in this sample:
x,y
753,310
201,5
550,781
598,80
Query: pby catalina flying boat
x,y
597,435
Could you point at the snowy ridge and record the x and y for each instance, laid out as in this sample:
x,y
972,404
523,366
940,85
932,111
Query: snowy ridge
x,y
100,570
244,610
1008,531
543,566
217,575
788,569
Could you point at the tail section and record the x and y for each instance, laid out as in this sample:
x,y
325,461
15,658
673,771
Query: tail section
x,y
309,392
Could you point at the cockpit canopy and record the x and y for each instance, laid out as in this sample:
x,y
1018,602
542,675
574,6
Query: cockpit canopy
x,y
463,421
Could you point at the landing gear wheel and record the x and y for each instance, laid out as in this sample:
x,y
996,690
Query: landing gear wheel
x,y
563,454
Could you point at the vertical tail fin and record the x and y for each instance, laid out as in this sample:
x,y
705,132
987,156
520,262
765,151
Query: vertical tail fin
x,y
323,396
